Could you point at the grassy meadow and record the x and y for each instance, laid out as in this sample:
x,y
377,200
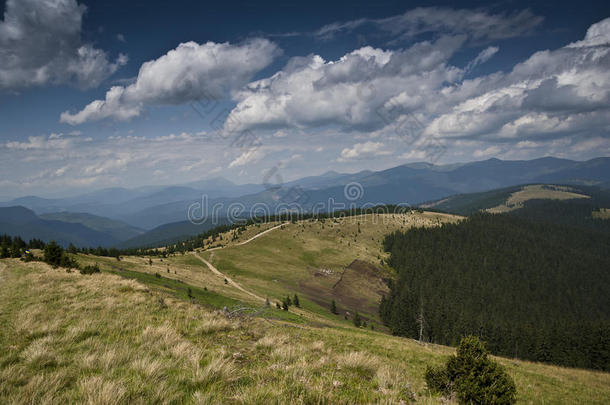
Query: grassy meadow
x,y
107,339
311,256
142,332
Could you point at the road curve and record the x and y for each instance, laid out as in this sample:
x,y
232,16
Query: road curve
x,y
258,235
229,279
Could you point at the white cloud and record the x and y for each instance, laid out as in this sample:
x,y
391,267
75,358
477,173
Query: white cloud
x,y
42,142
394,95
597,35
189,72
40,44
311,92
490,151
365,150
47,164
477,24
552,93
482,57
247,157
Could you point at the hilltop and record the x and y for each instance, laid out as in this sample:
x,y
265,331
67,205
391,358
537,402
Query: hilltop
x,y
198,322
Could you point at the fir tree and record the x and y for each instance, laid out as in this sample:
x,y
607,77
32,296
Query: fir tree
x,y
333,307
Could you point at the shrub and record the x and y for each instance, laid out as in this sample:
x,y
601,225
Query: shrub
x,y
90,269
29,257
437,380
53,253
357,320
472,376
67,262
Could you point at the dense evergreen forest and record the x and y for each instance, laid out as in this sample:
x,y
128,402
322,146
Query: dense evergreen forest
x,y
534,284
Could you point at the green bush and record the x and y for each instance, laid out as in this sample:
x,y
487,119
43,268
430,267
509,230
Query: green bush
x,y
437,381
68,262
90,269
53,254
472,376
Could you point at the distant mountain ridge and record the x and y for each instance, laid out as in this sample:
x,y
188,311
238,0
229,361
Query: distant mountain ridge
x,y
117,229
413,183
82,230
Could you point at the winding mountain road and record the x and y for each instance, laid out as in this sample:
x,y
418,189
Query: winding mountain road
x,y
258,235
230,281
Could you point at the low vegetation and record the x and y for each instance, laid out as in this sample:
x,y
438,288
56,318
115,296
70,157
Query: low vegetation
x,y
472,376
536,192
338,259
103,338
287,316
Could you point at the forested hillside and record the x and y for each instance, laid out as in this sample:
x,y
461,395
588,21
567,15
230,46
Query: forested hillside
x,y
532,289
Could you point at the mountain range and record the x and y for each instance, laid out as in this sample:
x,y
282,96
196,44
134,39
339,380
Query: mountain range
x,y
152,214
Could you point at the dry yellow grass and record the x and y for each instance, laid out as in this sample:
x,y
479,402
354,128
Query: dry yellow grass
x,y
101,339
603,213
537,191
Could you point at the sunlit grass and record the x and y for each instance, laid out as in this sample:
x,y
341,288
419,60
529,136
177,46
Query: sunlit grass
x,y
70,338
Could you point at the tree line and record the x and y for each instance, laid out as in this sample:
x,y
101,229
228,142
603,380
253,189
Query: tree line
x,y
532,289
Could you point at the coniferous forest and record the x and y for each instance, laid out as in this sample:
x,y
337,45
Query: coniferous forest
x,y
531,288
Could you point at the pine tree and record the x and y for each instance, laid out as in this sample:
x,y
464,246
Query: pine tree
x,y
53,253
357,320
333,307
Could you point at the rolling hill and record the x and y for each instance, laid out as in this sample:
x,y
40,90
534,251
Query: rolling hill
x,y
515,197
171,330
117,229
64,228
167,234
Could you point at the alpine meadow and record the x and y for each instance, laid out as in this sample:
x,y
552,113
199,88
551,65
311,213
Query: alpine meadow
x,y
304,203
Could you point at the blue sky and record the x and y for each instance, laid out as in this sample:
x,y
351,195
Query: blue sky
x,y
100,94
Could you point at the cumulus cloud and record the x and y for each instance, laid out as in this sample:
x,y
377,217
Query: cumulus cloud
x,y
40,44
310,91
247,157
552,93
365,150
187,73
478,25
413,95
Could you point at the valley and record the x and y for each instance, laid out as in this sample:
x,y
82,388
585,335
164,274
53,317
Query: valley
x,y
205,315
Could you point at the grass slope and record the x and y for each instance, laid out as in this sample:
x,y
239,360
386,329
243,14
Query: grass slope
x,y
536,192
313,257
69,338
509,199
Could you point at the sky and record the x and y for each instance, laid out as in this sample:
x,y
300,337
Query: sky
x,y
97,94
